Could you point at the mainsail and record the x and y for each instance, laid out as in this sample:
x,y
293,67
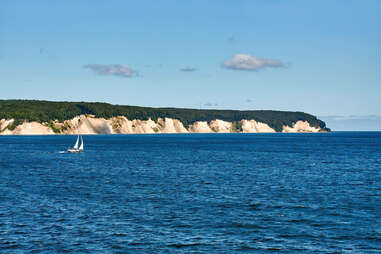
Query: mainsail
x,y
76,143
81,147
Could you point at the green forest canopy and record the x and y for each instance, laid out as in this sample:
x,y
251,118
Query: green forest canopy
x,y
47,111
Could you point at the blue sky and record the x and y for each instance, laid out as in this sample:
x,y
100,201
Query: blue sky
x,y
321,57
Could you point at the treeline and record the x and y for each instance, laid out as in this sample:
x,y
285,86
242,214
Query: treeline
x,y
47,111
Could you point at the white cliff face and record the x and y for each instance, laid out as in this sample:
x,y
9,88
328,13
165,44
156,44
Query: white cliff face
x,y
88,124
179,127
115,125
4,123
121,125
220,126
32,128
141,126
6,132
252,126
300,126
200,127
169,125
85,125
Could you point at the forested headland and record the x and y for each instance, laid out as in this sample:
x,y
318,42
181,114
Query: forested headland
x,y
48,111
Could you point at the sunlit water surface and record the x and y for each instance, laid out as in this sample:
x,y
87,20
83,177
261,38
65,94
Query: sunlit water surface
x,y
198,193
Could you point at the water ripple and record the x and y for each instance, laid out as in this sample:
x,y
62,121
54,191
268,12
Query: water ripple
x,y
192,194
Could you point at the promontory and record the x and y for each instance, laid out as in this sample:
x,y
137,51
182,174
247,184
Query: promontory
x,y
28,117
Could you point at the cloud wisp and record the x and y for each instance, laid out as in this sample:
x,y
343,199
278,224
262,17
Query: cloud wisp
x,y
353,117
188,69
210,104
113,69
244,62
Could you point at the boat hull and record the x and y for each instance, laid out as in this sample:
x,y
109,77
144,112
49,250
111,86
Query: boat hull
x,y
74,151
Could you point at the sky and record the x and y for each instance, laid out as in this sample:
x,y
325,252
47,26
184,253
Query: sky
x,y
320,57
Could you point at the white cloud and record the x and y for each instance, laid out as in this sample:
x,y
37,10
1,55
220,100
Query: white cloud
x,y
115,69
250,63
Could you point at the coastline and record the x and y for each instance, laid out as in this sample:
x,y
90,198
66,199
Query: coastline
x,y
90,125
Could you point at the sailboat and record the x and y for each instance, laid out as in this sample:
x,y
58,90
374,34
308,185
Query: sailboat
x,y
75,148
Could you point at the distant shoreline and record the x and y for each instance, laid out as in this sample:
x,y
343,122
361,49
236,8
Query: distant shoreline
x,y
89,124
27,116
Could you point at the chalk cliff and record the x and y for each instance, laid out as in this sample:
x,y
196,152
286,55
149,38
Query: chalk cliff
x,y
300,126
200,127
32,128
88,124
169,125
220,126
252,126
4,123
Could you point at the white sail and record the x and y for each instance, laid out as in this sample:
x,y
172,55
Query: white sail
x,y
81,147
76,143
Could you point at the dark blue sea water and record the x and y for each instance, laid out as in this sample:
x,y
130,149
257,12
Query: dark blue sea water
x,y
215,193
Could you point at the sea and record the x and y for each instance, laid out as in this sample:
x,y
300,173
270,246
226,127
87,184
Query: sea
x,y
192,193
